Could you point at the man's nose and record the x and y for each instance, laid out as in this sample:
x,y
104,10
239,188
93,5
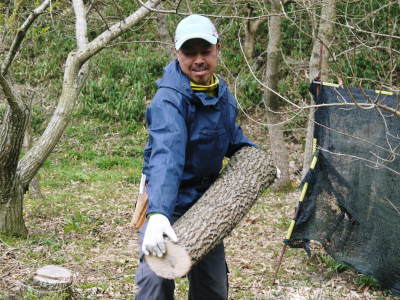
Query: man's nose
x,y
199,59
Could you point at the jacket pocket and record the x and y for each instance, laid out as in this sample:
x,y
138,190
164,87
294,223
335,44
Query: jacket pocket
x,y
213,132
213,142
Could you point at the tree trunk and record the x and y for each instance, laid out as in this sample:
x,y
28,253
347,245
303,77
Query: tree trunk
x,y
164,35
11,140
216,213
11,213
319,68
271,101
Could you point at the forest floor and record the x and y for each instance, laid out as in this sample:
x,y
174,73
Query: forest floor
x,y
89,185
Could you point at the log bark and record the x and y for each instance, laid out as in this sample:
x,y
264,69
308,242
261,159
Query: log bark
x,y
216,213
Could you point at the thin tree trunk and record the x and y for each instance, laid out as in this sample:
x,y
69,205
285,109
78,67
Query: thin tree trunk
x,y
271,101
251,28
319,67
217,212
11,211
11,191
11,140
164,35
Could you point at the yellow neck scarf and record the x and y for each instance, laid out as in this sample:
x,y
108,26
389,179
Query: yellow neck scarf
x,y
211,89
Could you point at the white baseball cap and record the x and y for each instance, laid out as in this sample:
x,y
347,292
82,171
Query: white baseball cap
x,y
195,26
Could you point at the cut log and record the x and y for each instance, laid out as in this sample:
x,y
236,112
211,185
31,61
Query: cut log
x,y
53,280
216,213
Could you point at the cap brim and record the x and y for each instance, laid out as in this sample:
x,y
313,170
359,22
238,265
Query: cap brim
x,y
208,37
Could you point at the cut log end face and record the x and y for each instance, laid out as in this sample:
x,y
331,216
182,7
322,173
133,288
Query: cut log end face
x,y
174,264
53,276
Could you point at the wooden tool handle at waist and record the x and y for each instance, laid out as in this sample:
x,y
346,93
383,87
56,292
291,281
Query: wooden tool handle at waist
x,y
139,216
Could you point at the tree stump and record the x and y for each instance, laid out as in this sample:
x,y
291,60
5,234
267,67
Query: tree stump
x,y
53,280
216,213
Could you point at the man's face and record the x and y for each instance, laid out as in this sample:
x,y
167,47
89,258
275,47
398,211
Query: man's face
x,y
198,60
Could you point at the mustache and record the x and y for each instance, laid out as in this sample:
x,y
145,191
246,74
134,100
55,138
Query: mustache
x,y
199,68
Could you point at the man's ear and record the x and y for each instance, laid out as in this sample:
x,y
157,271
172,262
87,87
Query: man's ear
x,y
178,54
218,45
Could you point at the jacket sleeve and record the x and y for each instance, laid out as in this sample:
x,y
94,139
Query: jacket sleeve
x,y
238,139
168,138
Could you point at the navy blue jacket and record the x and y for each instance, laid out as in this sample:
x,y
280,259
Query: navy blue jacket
x,y
190,133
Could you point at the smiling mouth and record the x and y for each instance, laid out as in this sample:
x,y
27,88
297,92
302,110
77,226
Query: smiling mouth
x,y
199,70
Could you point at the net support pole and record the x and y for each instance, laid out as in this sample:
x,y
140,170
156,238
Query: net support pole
x,y
293,222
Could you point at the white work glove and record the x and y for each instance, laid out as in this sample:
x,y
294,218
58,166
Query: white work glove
x,y
142,185
278,173
153,241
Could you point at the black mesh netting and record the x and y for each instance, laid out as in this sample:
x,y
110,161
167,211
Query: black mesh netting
x,y
352,205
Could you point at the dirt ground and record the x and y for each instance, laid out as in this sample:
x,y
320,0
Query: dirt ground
x,y
83,225
105,269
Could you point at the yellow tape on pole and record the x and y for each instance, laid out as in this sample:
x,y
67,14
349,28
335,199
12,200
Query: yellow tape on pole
x,y
384,92
303,192
291,227
290,230
313,162
335,85
314,146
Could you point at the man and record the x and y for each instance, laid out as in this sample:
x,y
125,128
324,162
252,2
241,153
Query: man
x,y
191,125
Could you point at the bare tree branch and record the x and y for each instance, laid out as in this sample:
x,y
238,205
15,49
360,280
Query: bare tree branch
x,y
101,17
80,24
175,11
256,121
389,151
116,30
31,162
357,28
259,81
73,80
250,32
376,163
388,49
75,69
81,37
19,37
389,109
177,6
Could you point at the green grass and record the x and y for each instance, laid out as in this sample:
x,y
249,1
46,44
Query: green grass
x,y
366,281
332,264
